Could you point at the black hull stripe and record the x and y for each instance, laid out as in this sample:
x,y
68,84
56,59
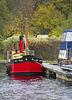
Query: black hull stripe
x,y
28,73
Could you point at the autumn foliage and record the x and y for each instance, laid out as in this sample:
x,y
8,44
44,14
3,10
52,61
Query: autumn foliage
x,y
47,17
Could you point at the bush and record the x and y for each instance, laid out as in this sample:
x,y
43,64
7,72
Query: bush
x,y
47,49
1,50
7,44
1,46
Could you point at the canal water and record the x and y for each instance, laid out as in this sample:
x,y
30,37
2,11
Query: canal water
x,y
33,88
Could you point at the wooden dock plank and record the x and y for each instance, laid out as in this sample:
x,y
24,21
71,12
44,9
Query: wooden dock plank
x,y
53,68
59,72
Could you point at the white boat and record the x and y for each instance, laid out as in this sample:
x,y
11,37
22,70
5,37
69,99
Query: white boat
x,y
66,67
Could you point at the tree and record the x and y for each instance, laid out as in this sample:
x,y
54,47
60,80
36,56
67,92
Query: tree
x,y
64,6
67,24
25,6
45,19
17,24
4,18
37,2
1,47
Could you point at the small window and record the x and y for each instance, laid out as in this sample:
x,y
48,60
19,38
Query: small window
x,y
15,46
69,36
64,36
24,46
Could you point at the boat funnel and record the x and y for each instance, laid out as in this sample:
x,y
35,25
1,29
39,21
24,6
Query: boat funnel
x,y
21,44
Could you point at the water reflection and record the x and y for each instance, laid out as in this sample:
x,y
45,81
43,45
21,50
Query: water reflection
x,y
25,78
24,87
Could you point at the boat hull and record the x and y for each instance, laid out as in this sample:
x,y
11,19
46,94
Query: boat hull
x,y
26,66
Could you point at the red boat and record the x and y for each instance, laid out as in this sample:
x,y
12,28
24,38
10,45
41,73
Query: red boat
x,y
23,61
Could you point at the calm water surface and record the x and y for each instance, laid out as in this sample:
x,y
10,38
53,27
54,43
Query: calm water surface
x,y
32,88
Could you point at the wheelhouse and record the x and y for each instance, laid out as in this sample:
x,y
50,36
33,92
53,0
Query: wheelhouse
x,y
66,45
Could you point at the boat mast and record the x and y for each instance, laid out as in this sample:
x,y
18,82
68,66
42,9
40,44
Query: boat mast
x,y
26,47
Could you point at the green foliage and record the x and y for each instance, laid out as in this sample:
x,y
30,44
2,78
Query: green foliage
x,y
1,46
2,57
45,19
17,24
46,61
3,10
67,24
4,19
47,49
1,50
8,42
64,6
24,6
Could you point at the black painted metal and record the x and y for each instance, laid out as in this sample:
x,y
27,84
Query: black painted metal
x,y
21,38
23,59
28,73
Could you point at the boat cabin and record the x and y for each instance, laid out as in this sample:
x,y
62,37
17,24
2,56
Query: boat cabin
x,y
18,49
66,46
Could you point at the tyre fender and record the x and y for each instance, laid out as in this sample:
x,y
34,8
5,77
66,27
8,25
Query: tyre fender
x,y
8,68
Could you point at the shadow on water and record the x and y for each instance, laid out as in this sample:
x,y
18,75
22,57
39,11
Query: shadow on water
x,y
62,82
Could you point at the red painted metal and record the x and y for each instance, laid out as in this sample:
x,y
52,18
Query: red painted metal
x,y
21,46
26,67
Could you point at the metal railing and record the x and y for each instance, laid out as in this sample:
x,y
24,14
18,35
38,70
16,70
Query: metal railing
x,y
9,54
31,52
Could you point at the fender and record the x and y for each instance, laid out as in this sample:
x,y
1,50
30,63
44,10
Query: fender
x,y
8,68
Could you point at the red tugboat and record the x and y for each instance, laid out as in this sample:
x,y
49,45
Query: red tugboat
x,y
23,61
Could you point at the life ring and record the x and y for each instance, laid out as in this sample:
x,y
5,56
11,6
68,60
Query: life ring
x,y
8,68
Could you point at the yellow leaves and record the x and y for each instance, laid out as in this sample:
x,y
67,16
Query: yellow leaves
x,y
16,33
47,18
17,24
31,33
54,32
